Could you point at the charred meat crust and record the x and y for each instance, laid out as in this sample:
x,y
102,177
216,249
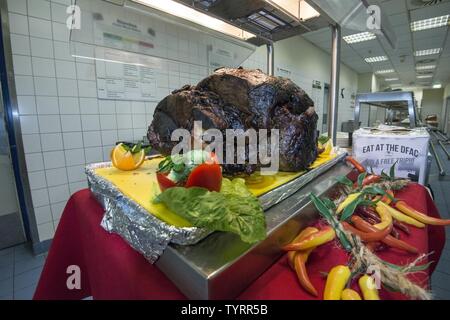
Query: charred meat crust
x,y
242,99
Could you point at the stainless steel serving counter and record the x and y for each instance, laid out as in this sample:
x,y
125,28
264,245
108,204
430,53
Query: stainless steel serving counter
x,y
221,266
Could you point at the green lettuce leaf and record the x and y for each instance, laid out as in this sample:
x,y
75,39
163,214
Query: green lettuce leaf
x,y
234,209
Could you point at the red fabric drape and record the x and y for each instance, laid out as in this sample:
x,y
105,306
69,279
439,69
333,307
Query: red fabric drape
x,y
110,269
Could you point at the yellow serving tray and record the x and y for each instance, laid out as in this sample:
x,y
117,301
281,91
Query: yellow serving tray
x,y
141,185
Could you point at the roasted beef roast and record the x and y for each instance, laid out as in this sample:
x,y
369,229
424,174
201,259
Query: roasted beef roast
x,y
242,99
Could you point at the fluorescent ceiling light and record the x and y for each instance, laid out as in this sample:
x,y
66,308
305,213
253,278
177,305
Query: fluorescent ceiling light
x,y
426,67
391,79
431,23
427,52
299,9
384,71
437,86
376,59
424,77
176,9
359,37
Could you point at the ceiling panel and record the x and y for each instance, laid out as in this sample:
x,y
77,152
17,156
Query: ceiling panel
x,y
394,6
430,11
403,29
417,4
401,58
428,43
431,33
398,19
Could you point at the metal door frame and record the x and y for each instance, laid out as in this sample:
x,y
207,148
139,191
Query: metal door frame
x,y
12,122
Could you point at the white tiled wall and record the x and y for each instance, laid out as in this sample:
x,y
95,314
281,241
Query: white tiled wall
x,y
64,126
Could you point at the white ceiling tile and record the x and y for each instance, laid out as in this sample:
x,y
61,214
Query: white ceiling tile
x,y
430,11
401,57
393,6
430,33
434,42
402,29
398,19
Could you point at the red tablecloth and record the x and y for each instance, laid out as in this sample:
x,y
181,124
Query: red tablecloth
x,y
110,269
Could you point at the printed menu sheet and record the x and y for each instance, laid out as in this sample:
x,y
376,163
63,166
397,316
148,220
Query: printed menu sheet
x,y
126,76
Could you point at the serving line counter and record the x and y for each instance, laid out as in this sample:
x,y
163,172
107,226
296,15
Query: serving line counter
x,y
219,266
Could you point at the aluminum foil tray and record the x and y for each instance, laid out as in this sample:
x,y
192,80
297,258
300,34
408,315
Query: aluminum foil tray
x,y
149,235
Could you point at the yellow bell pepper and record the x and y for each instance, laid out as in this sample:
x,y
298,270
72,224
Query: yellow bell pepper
x,y
350,294
385,216
336,282
350,198
368,288
397,215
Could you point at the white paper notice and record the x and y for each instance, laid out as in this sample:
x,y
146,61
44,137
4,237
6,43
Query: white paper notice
x,y
125,76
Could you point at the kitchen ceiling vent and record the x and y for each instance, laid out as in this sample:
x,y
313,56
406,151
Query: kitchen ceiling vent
x,y
266,21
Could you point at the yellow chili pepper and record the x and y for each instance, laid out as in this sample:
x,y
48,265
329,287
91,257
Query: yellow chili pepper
x,y
336,281
385,216
368,288
325,235
397,215
350,198
414,214
302,235
350,294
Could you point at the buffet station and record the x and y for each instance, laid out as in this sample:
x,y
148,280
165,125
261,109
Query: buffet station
x,y
295,217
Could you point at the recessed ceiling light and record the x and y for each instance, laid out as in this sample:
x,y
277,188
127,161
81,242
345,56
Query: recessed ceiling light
x,y
437,86
431,23
384,71
376,59
182,11
359,37
424,77
427,52
426,67
391,79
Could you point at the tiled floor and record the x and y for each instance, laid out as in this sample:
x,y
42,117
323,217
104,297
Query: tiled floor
x,y
441,187
20,270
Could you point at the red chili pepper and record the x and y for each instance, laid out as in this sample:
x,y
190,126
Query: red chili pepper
x,y
370,235
368,212
358,166
302,273
386,199
395,233
389,240
371,179
325,235
373,221
401,226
